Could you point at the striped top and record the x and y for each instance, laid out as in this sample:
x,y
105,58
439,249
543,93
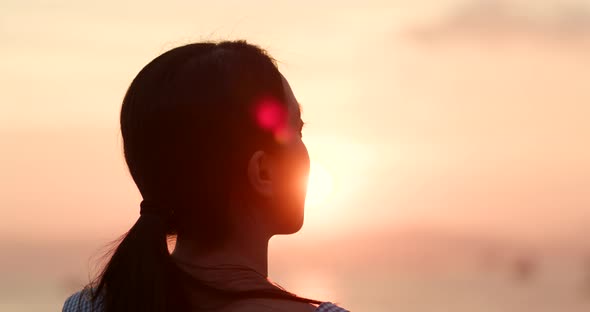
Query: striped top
x,y
79,302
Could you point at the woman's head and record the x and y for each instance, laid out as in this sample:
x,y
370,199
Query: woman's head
x,y
211,133
212,138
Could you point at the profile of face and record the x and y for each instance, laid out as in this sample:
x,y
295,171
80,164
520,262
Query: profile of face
x,y
280,178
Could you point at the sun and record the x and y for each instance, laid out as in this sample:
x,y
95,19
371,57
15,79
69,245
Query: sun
x,y
319,185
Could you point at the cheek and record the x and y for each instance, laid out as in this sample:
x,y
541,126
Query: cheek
x,y
295,172
301,166
291,187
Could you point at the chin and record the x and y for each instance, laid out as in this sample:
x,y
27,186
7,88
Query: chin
x,y
295,228
290,225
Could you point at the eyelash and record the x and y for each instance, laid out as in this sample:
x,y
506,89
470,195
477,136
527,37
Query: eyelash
x,y
301,127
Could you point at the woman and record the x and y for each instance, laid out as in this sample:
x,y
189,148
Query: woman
x,y
212,138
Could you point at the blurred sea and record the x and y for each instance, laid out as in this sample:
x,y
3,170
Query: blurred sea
x,y
411,271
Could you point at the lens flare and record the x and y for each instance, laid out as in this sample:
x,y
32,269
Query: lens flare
x,y
270,115
273,117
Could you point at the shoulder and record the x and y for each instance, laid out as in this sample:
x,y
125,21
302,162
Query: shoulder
x,y
330,307
269,305
81,302
277,305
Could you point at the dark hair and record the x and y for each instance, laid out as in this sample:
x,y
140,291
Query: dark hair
x,y
187,128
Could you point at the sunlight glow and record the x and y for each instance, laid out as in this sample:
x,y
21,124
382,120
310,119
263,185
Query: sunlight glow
x,y
319,186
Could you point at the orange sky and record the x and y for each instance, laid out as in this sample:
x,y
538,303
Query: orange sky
x,y
419,116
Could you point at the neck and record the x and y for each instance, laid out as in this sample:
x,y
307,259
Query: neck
x,y
247,250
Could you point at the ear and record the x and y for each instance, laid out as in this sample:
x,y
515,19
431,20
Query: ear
x,y
260,174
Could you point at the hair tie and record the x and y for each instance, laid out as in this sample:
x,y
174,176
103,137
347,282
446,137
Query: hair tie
x,y
154,213
149,207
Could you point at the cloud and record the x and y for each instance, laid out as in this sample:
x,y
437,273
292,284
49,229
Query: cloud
x,y
488,19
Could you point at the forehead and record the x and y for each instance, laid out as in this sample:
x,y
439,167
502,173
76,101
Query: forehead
x,y
292,104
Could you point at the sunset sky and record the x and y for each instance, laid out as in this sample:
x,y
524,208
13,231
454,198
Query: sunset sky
x,y
462,115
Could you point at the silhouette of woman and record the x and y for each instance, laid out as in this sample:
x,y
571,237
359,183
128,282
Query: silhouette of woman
x,y
212,138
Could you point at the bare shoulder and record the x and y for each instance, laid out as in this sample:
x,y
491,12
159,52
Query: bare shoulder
x,y
268,305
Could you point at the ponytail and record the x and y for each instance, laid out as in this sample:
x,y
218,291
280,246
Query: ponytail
x,y
140,276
